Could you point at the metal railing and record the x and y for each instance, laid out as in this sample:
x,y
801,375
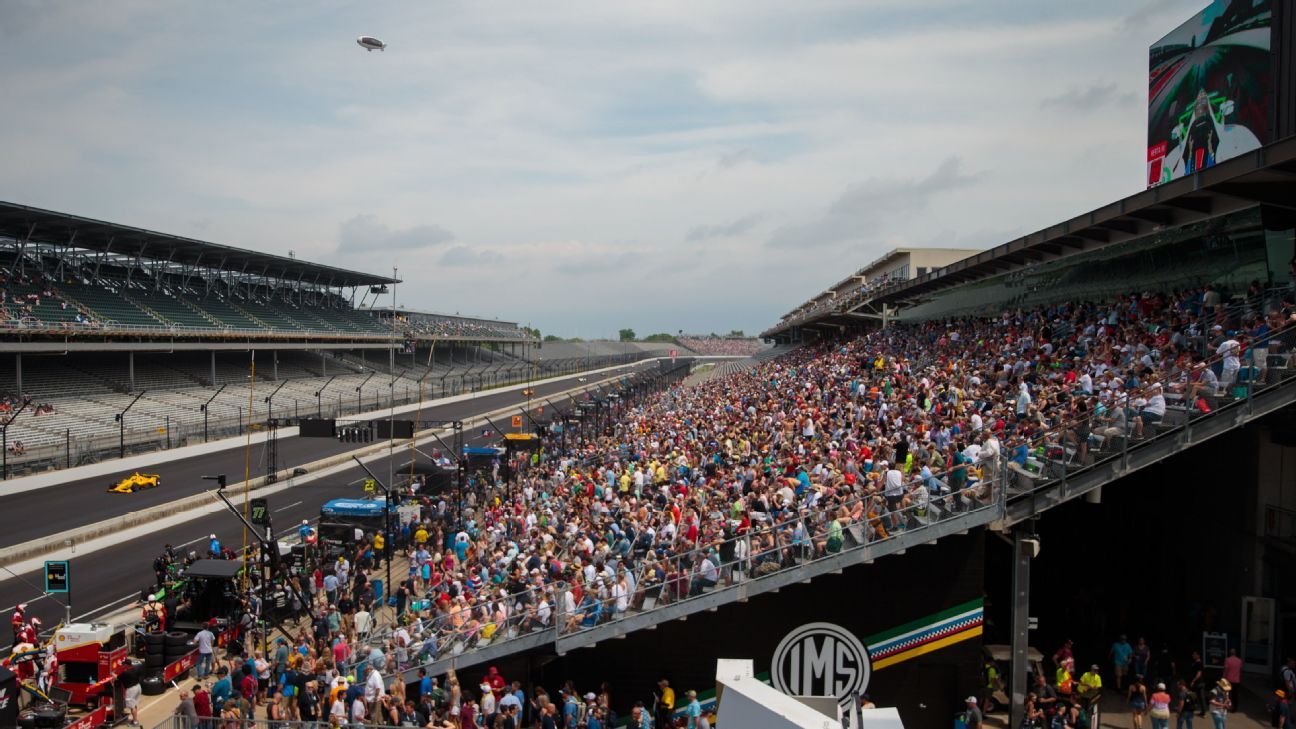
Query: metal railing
x,y
79,448
180,722
113,328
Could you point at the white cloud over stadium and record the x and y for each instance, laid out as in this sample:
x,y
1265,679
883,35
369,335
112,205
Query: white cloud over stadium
x,y
586,166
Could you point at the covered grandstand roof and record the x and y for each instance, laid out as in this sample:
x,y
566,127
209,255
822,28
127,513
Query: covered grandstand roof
x,y
1266,176
25,223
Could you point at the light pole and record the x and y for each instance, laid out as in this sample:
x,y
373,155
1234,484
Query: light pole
x,y
387,530
121,425
4,436
203,408
319,403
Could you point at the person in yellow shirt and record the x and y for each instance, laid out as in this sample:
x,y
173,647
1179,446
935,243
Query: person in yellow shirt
x,y
665,704
421,536
1091,681
1065,680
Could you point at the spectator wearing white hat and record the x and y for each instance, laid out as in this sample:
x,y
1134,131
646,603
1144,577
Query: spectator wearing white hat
x,y
972,714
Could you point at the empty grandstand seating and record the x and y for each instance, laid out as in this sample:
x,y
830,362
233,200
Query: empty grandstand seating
x,y
107,304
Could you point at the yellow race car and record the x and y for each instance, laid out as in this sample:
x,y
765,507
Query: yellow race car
x,y
135,481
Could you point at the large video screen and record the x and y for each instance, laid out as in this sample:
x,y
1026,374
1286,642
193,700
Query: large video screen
x,y
1209,89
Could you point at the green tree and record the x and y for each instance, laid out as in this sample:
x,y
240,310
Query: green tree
x,y
661,337
736,333
552,338
627,335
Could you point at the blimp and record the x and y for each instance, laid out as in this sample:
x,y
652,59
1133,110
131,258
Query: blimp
x,y
370,43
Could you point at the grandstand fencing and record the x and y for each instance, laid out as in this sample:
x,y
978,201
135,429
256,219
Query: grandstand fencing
x,y
174,411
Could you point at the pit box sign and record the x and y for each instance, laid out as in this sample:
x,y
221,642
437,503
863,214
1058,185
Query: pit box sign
x,y
517,421
370,486
259,512
1214,649
58,577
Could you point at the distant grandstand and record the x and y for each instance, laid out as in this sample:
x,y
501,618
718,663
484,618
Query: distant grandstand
x,y
717,346
66,276
96,318
428,325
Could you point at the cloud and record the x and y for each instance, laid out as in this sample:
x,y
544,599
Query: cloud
x,y
465,256
623,262
1090,98
578,141
865,208
733,159
1148,12
724,230
365,233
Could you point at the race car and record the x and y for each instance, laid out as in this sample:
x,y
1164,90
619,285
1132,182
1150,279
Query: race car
x,y
135,481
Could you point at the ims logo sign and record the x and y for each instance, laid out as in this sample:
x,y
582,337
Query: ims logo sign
x,y
820,659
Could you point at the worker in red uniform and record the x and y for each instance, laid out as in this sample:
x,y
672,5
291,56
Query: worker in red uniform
x,y
19,619
49,670
30,633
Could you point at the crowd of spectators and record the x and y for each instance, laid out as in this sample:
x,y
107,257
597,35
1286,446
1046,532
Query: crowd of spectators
x,y
20,301
703,486
449,327
11,404
723,346
749,473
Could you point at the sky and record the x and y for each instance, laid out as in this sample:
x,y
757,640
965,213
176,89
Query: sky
x,y
582,166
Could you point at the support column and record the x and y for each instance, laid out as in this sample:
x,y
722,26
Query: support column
x,y
18,374
274,364
213,368
1025,547
323,364
130,367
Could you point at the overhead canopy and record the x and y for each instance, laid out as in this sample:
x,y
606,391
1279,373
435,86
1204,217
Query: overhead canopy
x,y
221,569
1266,176
34,225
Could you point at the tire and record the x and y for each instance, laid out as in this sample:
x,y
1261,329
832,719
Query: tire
x,y
154,649
26,720
176,638
50,716
173,657
154,639
155,663
152,686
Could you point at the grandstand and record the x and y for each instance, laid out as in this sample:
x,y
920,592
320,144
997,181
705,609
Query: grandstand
x,y
94,314
717,346
426,325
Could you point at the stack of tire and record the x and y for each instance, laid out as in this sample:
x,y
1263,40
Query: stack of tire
x,y
43,716
161,650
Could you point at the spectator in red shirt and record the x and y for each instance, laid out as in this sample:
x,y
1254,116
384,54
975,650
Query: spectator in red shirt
x,y
248,685
202,701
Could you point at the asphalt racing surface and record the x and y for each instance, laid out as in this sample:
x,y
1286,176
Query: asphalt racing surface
x,y
111,578
34,514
